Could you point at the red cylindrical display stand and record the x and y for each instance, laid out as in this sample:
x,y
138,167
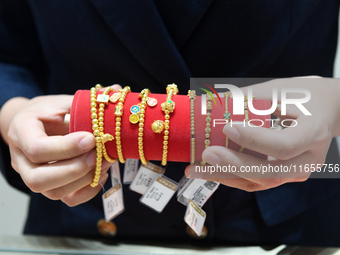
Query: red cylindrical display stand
x,y
179,131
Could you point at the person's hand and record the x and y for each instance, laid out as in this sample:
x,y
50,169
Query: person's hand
x,y
306,144
50,161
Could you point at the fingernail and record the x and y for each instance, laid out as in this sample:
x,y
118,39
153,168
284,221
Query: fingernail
x,y
211,158
231,132
91,159
87,143
103,178
106,164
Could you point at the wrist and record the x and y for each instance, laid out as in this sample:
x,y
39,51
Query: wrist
x,y
8,112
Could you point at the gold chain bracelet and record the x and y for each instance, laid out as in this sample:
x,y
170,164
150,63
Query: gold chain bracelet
x,y
144,97
98,129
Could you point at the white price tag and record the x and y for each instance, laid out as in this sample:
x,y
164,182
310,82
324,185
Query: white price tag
x,y
159,193
113,202
130,170
196,190
195,217
115,174
145,176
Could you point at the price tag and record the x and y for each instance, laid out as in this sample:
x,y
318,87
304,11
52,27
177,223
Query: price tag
x,y
115,174
113,202
145,176
159,193
195,217
130,170
196,190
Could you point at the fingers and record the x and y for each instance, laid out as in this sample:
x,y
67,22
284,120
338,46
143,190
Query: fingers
x,y
85,194
227,163
45,177
73,187
285,144
54,148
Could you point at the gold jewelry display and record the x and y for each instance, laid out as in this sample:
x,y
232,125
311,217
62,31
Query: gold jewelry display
x,y
226,115
192,96
246,115
144,96
119,114
207,125
98,129
168,107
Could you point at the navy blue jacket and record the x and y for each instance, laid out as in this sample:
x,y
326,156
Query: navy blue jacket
x,y
56,46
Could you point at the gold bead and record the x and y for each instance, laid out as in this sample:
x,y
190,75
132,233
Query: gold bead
x,y
94,115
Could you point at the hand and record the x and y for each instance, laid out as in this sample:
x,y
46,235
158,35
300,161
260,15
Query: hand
x,y
50,161
306,143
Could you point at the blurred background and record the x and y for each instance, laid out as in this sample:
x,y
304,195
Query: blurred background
x,y
13,204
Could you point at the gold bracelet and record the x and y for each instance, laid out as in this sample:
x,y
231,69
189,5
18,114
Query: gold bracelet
x,y
192,97
168,107
144,97
98,129
246,116
119,114
226,115
207,126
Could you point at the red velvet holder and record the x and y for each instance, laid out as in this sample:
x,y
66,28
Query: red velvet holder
x,y
179,131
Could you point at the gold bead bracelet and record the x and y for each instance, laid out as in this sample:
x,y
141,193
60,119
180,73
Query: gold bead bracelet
x,y
98,129
192,96
144,97
207,125
168,107
119,114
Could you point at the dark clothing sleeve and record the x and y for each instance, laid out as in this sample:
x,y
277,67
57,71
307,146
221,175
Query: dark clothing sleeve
x,y
22,67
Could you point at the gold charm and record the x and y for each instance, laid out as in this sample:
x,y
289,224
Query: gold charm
x,y
107,137
168,105
152,102
115,97
119,110
135,109
157,126
102,98
134,118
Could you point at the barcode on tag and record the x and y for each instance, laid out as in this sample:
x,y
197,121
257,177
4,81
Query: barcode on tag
x,y
210,185
130,170
145,176
115,174
197,190
195,217
159,193
113,203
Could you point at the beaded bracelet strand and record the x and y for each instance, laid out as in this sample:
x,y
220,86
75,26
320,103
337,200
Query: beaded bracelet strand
x,y
207,126
226,115
144,97
168,107
119,114
192,97
98,129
